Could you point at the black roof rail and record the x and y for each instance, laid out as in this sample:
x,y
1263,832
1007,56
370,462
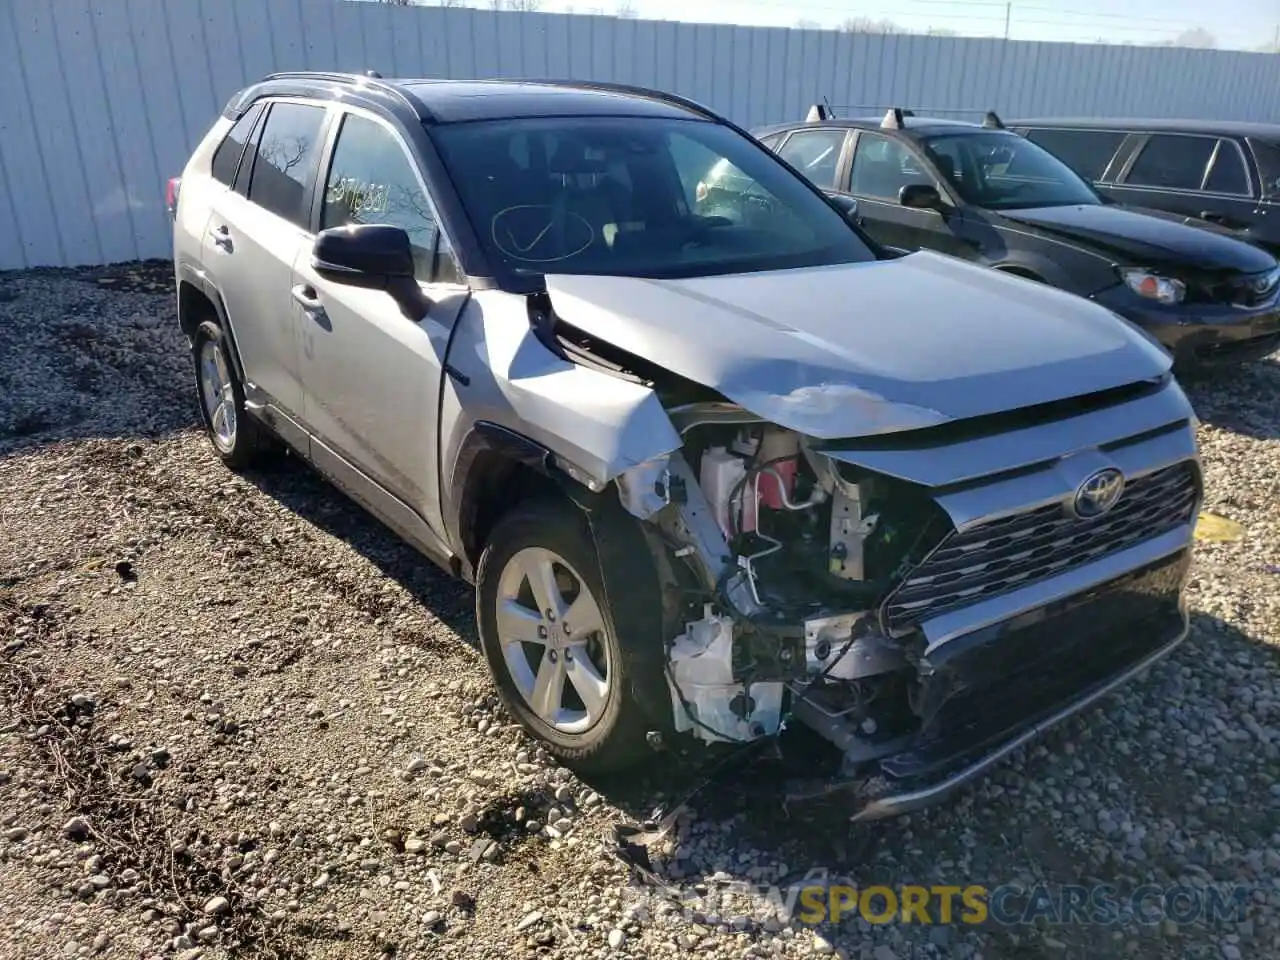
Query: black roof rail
x,y
893,118
992,121
371,77
609,86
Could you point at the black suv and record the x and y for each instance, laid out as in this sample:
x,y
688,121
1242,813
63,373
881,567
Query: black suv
x,y
1224,172
986,194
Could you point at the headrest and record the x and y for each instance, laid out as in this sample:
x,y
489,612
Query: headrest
x,y
575,157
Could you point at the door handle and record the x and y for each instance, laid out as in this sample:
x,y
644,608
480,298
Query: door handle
x,y
305,294
1212,217
222,238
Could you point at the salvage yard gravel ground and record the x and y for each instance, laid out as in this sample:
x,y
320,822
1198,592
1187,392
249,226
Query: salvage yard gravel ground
x,y
238,718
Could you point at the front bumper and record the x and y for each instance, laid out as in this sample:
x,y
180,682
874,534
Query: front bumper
x,y
1201,333
999,687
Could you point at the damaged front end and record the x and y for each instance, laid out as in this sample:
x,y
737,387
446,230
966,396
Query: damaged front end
x,y
925,600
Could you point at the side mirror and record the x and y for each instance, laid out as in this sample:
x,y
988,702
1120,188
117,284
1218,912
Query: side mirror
x,y
372,255
923,196
848,206
363,255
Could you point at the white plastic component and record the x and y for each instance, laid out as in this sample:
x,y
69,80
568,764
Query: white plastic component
x,y
745,444
720,472
702,668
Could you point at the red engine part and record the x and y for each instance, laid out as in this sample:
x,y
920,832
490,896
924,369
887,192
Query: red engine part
x,y
771,491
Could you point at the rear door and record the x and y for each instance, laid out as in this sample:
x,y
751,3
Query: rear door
x,y
1191,174
371,376
818,154
256,233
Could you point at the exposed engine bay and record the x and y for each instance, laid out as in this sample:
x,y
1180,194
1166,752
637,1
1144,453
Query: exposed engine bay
x,y
818,590
924,580
796,554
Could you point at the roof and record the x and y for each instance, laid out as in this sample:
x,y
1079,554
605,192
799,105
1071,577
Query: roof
x,y
1227,128
457,101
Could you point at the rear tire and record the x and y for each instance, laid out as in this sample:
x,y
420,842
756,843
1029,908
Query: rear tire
x,y
239,438
570,678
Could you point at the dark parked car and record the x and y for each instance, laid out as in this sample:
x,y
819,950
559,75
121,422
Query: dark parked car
x,y
986,194
1225,172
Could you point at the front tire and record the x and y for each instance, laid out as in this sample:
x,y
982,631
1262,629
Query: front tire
x,y
239,439
562,666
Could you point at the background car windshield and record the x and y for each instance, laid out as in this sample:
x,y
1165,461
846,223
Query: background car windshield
x,y
1005,171
638,197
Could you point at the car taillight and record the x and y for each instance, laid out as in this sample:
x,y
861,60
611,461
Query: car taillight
x,y
172,189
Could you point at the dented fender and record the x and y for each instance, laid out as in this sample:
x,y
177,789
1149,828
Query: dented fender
x,y
594,425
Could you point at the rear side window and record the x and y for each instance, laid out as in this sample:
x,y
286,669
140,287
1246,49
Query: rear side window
x,y
815,153
371,180
1227,175
1087,152
1172,160
226,159
286,159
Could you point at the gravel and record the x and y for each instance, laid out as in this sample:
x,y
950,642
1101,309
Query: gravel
x,y
238,718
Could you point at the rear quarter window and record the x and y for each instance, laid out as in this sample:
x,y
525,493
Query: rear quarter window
x,y
1087,152
226,159
1227,175
1267,155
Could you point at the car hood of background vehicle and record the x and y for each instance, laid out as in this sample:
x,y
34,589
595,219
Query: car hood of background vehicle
x,y
860,349
1147,238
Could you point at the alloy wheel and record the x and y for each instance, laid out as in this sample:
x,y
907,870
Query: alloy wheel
x,y
553,639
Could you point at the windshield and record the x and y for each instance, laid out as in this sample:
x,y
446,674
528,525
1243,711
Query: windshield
x,y
637,197
1003,171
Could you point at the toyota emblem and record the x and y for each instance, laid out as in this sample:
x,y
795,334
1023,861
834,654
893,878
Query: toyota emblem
x,y
1099,493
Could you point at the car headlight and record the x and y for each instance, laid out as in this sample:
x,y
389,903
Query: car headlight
x,y
1152,286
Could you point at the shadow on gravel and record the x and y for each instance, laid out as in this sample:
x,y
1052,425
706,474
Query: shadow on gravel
x,y
1243,399
296,486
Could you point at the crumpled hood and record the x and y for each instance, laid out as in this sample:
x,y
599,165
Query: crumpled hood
x,y
859,349
1148,238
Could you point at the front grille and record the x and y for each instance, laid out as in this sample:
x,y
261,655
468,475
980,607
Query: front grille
x,y
1012,678
1005,554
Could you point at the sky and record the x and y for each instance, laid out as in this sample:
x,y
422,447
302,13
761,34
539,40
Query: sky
x,y
1235,24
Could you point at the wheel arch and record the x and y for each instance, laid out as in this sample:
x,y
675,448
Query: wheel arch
x,y
200,300
496,469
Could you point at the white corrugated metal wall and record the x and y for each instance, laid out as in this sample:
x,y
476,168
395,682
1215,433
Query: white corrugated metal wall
x,y
101,100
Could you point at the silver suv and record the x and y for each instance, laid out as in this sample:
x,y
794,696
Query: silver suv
x,y
712,471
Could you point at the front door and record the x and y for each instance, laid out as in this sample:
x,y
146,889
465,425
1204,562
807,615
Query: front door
x,y
371,375
881,167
